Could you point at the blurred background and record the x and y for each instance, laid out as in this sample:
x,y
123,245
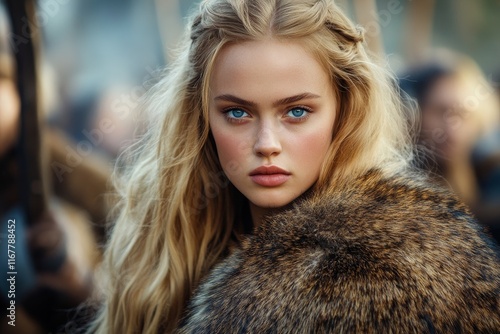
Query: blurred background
x,y
94,60
102,55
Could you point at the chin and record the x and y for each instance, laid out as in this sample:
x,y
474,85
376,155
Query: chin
x,y
270,203
270,199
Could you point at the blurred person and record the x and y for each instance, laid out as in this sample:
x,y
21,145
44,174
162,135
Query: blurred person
x,y
45,239
274,193
56,254
97,47
459,130
115,123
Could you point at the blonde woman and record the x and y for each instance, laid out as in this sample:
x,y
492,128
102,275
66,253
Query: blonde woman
x,y
273,193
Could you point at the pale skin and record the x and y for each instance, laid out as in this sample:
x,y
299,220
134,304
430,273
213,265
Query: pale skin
x,y
272,105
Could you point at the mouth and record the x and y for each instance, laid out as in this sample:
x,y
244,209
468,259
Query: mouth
x,y
269,176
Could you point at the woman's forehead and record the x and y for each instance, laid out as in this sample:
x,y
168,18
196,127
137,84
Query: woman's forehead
x,y
266,66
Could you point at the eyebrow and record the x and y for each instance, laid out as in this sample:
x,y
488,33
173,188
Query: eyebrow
x,y
284,101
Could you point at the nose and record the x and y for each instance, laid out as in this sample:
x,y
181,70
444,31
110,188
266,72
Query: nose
x,y
267,143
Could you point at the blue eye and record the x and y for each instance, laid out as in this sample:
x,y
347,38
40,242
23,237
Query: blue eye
x,y
297,112
236,113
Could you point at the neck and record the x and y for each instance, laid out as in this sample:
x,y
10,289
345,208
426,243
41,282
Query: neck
x,y
258,214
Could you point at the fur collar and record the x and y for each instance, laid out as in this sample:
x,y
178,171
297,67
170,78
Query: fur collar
x,y
383,255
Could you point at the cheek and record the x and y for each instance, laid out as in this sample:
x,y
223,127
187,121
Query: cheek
x,y
232,150
226,148
463,133
309,150
430,121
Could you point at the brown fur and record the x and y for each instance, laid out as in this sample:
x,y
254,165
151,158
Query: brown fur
x,y
382,256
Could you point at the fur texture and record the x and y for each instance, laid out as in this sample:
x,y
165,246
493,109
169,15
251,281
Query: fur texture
x,y
381,256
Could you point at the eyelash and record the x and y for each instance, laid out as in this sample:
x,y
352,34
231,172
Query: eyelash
x,y
302,118
308,111
233,119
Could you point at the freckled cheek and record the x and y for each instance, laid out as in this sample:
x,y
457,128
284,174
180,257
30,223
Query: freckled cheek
x,y
233,150
309,150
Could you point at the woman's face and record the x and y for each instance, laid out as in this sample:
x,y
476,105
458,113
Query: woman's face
x,y
446,126
272,110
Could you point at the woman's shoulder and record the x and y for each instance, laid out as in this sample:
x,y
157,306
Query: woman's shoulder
x,y
383,224
404,210
387,254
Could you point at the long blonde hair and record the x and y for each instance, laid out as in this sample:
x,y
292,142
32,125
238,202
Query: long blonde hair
x,y
176,214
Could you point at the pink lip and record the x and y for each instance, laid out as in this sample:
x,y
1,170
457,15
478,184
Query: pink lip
x,y
269,176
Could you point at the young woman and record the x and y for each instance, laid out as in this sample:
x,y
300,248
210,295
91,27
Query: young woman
x,y
273,193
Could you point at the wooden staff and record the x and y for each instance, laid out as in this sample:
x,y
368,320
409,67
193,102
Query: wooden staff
x,y
25,39
367,17
418,35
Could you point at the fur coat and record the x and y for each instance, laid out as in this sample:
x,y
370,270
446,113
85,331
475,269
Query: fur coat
x,y
393,255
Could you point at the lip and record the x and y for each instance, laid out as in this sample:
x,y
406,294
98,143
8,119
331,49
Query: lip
x,y
269,170
269,176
